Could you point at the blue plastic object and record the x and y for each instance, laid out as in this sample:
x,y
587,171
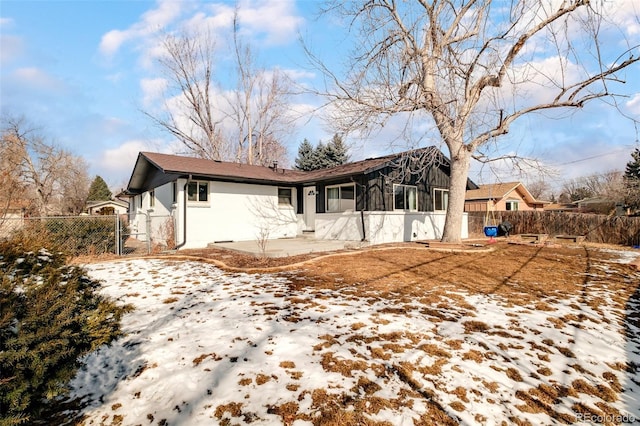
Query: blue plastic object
x,y
491,231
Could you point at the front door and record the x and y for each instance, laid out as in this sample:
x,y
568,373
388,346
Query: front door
x,y
310,208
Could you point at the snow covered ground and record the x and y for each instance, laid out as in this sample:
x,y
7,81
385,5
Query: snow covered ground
x,y
206,347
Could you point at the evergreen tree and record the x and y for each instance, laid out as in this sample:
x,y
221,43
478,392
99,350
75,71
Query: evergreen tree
x,y
305,160
633,167
51,315
99,190
336,152
322,156
632,180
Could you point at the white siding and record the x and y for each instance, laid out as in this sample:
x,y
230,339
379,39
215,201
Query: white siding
x,y
159,216
235,212
383,227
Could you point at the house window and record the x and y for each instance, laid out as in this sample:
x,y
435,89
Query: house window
x,y
198,191
284,196
152,198
341,198
440,199
512,206
139,197
174,192
405,197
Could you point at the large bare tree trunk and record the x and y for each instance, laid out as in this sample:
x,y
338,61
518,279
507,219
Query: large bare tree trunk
x,y
460,162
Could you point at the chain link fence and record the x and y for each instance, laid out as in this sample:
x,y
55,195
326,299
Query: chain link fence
x,y
75,235
122,235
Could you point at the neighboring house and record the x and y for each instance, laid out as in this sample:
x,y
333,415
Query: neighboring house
x,y
215,201
12,215
599,205
500,197
560,207
104,208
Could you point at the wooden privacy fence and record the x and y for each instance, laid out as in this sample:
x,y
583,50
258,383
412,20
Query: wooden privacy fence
x,y
595,228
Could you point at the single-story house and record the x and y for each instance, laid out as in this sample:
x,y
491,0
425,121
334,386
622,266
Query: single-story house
x,y
399,197
109,207
500,197
561,207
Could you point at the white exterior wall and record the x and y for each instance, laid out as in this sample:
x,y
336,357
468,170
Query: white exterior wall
x,y
236,212
384,227
159,215
233,212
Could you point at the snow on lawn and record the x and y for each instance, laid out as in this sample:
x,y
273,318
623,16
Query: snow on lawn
x,y
208,347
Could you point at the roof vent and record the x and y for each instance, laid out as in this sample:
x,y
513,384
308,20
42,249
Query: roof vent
x,y
274,166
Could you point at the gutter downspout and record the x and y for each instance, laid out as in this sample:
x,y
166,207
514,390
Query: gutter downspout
x,y
184,214
364,232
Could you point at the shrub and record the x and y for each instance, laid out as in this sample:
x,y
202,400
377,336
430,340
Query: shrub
x,y
51,314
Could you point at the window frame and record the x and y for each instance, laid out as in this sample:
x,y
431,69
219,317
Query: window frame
x,y
509,203
340,199
152,198
405,199
174,192
197,192
443,199
290,197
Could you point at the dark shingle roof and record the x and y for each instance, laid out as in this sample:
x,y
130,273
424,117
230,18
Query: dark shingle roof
x,y
171,166
174,164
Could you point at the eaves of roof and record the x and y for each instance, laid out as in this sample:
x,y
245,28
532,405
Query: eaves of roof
x,y
155,169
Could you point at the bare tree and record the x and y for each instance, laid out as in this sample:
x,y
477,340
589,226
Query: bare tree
x,y
11,188
607,186
241,124
259,107
471,68
45,171
74,185
540,189
190,111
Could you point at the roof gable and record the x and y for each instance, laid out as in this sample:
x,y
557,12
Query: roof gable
x,y
499,191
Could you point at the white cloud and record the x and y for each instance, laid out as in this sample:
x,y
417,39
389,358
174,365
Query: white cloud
x,y
151,22
112,41
276,19
634,104
119,161
625,15
152,90
5,22
272,21
12,47
36,78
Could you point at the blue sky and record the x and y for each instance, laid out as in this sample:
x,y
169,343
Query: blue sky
x,y
77,70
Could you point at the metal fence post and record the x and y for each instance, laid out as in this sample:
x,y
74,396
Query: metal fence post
x,y
118,239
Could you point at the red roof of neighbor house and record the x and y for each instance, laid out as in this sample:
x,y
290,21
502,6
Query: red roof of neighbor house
x,y
497,191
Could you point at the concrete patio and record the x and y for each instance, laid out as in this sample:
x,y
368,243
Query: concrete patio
x,y
289,246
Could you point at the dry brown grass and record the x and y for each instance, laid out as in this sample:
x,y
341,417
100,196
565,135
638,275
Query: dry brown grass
x,y
527,277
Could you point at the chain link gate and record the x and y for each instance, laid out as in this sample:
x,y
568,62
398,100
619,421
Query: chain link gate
x,y
148,233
